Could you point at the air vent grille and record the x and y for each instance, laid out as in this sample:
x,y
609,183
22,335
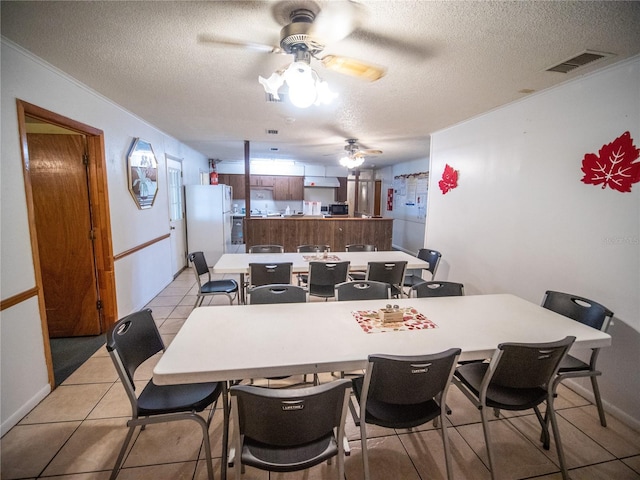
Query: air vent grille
x,y
270,98
271,131
578,61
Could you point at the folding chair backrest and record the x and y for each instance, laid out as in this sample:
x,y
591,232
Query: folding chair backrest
x,y
323,273
288,417
132,340
270,273
199,264
388,272
431,256
409,380
313,248
266,249
579,309
438,289
359,247
529,365
362,290
278,293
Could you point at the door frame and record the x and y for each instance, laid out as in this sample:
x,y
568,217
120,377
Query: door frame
x,y
99,204
183,232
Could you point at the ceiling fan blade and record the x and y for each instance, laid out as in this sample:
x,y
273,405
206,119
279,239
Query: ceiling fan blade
x,y
259,47
351,66
336,21
371,152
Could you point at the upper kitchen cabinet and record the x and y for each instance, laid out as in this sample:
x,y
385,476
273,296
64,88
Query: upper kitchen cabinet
x,y
288,188
262,181
341,191
236,182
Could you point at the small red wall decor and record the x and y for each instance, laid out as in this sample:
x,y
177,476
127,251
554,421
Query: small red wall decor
x,y
614,166
449,179
389,199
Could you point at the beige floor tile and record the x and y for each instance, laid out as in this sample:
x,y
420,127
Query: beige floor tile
x,y
166,471
93,446
617,438
27,449
172,325
427,454
94,370
462,410
633,463
114,403
188,300
165,301
160,313
579,449
104,475
181,311
610,470
567,398
67,402
174,290
166,443
387,460
515,456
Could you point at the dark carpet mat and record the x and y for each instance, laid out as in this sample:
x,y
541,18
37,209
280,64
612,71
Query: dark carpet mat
x,y
69,353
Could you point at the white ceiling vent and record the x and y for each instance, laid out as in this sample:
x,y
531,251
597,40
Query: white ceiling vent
x,y
270,98
586,57
271,131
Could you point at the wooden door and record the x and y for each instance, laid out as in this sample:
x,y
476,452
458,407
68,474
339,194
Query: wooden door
x,y
63,223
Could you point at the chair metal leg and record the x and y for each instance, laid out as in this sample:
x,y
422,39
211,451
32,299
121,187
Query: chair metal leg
x,y
365,454
116,468
487,441
225,431
445,444
596,395
556,437
544,436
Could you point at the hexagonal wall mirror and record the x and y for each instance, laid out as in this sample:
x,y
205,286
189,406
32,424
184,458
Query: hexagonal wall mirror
x,y
142,168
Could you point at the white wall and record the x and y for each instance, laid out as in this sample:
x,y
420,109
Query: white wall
x,y
408,228
139,277
521,220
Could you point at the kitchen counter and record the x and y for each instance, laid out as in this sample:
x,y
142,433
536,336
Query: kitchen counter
x,y
335,231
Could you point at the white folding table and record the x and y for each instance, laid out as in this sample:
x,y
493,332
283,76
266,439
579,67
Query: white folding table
x,y
238,263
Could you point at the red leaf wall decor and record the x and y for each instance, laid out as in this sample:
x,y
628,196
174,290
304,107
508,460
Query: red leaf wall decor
x,y
614,166
449,179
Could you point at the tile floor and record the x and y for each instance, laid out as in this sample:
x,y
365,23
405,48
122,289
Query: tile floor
x,y
76,432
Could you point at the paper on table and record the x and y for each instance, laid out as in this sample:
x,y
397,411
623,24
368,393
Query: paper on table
x,y
370,322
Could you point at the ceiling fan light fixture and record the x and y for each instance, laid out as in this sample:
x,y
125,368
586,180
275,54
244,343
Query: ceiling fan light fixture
x,y
272,84
306,88
351,161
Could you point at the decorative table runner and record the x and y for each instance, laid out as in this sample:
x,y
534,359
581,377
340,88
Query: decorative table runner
x,y
370,322
321,258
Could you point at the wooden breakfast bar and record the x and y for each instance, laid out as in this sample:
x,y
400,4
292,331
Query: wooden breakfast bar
x,y
333,231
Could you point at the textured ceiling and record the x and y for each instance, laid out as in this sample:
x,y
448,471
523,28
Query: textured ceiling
x,y
446,62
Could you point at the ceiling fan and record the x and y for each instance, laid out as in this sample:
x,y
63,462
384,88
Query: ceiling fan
x,y
355,155
309,30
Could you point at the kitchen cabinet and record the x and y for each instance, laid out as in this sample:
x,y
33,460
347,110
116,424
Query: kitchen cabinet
x,y
262,181
341,191
236,182
288,188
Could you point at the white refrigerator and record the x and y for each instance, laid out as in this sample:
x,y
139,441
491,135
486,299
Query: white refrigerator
x,y
209,220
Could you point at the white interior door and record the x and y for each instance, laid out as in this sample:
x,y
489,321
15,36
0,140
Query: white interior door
x,y
176,216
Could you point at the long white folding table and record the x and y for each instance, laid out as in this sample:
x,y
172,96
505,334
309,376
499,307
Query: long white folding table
x,y
222,343
238,263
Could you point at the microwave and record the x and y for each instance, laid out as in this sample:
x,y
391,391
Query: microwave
x,y
338,209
